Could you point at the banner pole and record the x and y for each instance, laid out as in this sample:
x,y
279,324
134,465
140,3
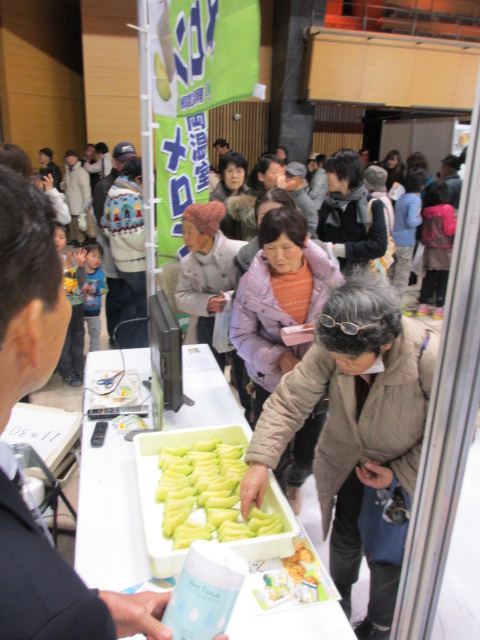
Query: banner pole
x,y
146,126
450,421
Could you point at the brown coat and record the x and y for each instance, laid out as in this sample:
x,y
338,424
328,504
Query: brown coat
x,y
391,425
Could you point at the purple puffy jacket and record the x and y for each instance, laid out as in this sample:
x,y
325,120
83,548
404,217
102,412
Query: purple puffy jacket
x,y
257,317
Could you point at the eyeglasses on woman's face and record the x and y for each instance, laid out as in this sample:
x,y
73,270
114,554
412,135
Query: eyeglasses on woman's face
x,y
349,328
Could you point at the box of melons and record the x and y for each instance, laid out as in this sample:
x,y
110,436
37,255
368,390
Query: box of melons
x,y
189,484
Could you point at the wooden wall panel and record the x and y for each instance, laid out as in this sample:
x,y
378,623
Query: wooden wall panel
x,y
418,75
337,127
110,71
248,135
41,87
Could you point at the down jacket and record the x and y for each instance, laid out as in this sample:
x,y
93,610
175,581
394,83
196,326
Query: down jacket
x,y
391,424
257,317
191,295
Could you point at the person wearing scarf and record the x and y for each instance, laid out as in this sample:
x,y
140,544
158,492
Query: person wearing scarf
x,y
354,227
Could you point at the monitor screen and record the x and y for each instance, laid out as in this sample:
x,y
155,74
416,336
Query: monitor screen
x,y
165,337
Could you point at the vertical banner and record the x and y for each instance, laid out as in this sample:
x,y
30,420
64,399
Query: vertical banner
x,y
182,177
203,53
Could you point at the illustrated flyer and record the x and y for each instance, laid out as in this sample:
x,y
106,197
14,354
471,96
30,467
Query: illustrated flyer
x,y
280,584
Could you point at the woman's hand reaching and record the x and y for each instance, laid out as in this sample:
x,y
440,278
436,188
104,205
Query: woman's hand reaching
x,y
253,487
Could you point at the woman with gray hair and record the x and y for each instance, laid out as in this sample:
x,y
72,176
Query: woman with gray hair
x,y
378,368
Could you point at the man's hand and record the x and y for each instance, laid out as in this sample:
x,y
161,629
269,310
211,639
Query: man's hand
x,y
217,304
374,475
287,362
253,487
138,613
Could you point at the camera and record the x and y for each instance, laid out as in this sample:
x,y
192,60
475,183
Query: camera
x,y
394,508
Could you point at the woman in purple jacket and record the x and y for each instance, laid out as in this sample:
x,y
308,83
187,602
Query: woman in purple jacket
x,y
286,285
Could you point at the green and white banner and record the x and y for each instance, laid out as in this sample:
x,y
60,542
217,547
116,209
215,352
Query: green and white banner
x,y
205,53
182,176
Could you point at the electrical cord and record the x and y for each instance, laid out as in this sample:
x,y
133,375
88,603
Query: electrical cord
x,y
119,374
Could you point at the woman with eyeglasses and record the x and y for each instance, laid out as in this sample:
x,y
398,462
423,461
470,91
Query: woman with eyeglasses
x,y
286,285
378,368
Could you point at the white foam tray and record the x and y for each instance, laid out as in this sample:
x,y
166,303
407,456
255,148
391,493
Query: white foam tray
x,y
167,562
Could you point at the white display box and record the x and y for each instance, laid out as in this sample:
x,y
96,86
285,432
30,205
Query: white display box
x,y
167,562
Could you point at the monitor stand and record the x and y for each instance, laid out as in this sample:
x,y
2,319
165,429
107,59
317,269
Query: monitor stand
x,y
157,402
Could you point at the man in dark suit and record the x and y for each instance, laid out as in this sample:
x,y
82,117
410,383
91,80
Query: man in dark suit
x,y
42,597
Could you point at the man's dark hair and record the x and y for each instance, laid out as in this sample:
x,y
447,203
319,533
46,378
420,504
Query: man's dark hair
x,y
101,147
47,152
287,220
235,158
93,246
320,159
415,180
221,142
437,193
132,168
14,157
346,164
29,262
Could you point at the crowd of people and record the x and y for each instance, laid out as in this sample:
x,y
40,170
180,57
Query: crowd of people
x,y
288,245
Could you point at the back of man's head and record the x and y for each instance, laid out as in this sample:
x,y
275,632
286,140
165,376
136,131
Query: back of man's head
x,y
29,262
101,147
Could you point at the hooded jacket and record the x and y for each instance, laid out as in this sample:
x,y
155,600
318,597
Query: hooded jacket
x,y
439,225
257,318
390,428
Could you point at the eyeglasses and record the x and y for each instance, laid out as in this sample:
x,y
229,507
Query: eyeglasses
x,y
349,328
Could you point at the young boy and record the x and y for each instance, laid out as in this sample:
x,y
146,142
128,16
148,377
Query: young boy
x,y
70,365
93,290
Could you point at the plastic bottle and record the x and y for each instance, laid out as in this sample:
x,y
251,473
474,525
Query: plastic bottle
x,y
206,591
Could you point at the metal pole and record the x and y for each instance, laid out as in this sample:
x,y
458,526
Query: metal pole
x,y
146,126
451,418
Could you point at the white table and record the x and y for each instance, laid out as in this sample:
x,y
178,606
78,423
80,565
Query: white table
x,y
110,547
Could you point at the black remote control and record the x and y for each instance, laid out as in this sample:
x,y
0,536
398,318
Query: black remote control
x,y
107,413
98,437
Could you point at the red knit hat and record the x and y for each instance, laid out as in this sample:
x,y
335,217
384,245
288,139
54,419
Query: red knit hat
x,y
206,217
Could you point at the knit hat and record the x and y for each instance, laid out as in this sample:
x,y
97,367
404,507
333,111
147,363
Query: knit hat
x,y
296,169
206,217
375,178
71,152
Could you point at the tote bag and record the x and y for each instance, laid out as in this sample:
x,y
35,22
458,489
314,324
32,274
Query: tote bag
x,y
382,541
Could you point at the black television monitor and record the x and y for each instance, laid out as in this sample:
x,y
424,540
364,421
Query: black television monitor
x,y
165,338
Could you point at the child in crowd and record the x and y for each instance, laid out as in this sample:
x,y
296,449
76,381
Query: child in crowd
x,y
408,216
93,290
439,226
70,365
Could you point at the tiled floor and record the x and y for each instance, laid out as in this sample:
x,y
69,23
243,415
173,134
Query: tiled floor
x,y
458,614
